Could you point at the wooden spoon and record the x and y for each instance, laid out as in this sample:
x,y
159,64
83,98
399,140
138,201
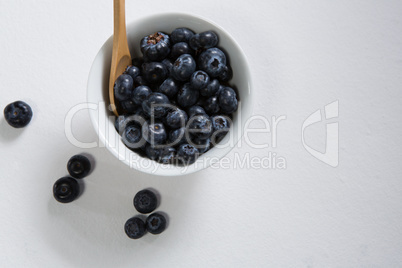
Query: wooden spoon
x,y
121,57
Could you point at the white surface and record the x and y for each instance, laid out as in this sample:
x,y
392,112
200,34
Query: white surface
x,y
303,54
98,89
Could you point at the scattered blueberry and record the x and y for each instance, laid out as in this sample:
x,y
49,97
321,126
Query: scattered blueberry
x,y
155,47
181,35
228,100
187,96
183,67
18,114
123,87
135,227
145,201
156,223
78,166
66,190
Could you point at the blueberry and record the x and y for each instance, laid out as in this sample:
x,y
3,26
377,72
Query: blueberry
x,y
202,145
140,81
167,155
221,126
176,118
187,96
199,80
169,64
181,35
129,106
135,227
211,89
66,190
132,137
155,47
118,123
187,154
78,166
154,72
180,49
169,87
226,74
193,110
18,114
200,126
183,67
145,201
177,136
206,39
123,87
156,223
211,105
140,94
156,105
227,100
154,133
212,61
132,71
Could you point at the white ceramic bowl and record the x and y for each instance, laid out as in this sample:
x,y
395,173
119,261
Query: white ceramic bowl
x,y
98,82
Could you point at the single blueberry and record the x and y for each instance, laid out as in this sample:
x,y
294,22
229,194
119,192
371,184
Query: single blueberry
x,y
18,114
156,223
211,105
193,110
205,40
145,201
132,71
135,228
140,94
154,72
177,136
176,118
211,89
66,190
154,133
212,61
226,74
183,67
221,126
152,152
200,126
123,87
169,87
129,106
187,96
167,155
181,35
199,80
202,145
187,154
169,64
156,105
180,49
132,137
78,166
228,100
155,47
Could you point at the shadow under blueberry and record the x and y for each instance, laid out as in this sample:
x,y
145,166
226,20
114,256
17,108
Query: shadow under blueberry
x,y
7,132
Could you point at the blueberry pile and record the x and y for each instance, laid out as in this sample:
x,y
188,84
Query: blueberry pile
x,y
175,102
145,202
67,189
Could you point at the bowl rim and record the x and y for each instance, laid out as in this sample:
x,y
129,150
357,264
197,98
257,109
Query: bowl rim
x,y
171,172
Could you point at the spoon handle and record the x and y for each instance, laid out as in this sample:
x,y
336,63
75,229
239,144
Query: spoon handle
x,y
119,23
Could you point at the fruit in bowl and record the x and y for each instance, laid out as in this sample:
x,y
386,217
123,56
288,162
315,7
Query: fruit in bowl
x,y
187,93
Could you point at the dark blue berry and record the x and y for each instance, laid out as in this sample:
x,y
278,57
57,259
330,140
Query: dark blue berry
x,y
226,74
123,87
187,96
137,61
66,190
156,223
193,110
177,136
221,126
169,87
212,61
187,154
145,201
140,81
202,145
211,105
156,105
180,49
154,133
132,137
183,67
200,126
135,228
129,106
228,100
152,152
140,94
78,166
155,47
167,155
199,80
132,71
176,118
211,89
169,64
154,72
181,35
206,39
18,114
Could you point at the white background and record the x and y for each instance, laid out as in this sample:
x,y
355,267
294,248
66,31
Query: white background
x,y
303,55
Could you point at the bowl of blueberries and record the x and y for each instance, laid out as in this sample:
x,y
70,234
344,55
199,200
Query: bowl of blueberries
x,y
182,104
